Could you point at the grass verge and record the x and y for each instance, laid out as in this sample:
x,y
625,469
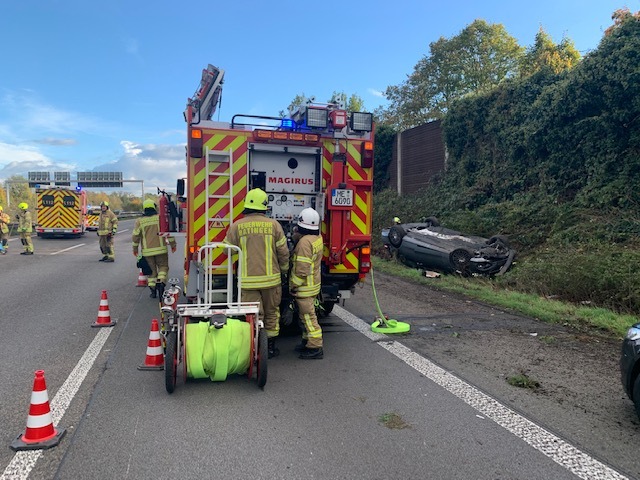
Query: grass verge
x,y
541,308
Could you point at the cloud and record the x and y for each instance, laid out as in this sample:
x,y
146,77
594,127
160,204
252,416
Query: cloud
x,y
56,141
376,93
24,111
158,165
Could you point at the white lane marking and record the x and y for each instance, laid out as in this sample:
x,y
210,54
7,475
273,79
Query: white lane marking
x,y
576,461
122,231
23,462
67,249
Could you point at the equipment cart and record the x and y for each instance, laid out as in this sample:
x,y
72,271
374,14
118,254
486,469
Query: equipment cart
x,y
218,335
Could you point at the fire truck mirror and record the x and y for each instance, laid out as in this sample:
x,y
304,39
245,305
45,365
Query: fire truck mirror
x,y
180,187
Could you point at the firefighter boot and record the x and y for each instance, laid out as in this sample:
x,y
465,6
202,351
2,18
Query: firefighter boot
x,y
153,292
160,289
301,347
312,354
272,351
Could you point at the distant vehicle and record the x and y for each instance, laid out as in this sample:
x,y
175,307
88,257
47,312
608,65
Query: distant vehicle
x,y
60,212
93,218
429,246
630,365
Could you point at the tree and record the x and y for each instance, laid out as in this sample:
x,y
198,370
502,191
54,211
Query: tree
x,y
352,103
19,191
545,54
619,17
474,61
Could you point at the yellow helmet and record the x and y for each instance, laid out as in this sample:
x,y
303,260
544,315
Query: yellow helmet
x,y
0,208
396,220
256,199
149,204
23,206
105,203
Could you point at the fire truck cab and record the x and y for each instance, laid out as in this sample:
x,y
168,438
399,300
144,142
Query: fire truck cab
x,y
321,156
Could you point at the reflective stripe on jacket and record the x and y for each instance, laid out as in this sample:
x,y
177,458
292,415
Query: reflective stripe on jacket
x,y
305,275
264,250
145,232
108,223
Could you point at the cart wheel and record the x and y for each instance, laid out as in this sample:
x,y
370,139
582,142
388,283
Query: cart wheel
x,y
263,350
171,362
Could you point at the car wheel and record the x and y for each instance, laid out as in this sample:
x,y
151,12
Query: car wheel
x,y
396,233
636,395
460,260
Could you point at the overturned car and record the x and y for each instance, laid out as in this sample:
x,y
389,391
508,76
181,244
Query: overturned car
x,y
429,246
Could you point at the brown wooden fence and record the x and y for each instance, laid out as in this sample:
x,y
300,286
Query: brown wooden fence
x,y
418,154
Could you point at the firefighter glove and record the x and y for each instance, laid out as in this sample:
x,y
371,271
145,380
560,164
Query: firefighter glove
x,y
108,235
173,249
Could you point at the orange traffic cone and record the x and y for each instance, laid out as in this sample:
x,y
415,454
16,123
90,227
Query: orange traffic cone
x,y
142,280
104,317
154,360
40,432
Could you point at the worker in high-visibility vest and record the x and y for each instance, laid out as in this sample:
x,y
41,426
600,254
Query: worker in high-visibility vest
x,y
107,228
153,247
4,231
305,281
265,256
25,227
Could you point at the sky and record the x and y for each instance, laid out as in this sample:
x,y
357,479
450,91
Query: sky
x,y
102,85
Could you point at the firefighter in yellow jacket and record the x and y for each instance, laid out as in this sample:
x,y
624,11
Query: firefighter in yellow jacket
x,y
154,247
304,281
107,228
265,256
4,231
25,227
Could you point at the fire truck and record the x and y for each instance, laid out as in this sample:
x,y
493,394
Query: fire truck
x,y
61,212
320,156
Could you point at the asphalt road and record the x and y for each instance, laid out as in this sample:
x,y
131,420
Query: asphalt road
x,y
372,408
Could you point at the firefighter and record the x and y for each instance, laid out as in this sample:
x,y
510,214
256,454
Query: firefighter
x,y
304,281
265,257
153,247
4,231
25,228
107,228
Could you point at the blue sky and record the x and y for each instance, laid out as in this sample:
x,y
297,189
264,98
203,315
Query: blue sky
x,y
101,85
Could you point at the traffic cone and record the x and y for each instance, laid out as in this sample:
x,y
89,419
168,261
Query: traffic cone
x,y
154,360
142,280
104,317
40,432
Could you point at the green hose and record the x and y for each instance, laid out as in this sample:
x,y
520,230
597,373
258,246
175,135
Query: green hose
x,y
383,324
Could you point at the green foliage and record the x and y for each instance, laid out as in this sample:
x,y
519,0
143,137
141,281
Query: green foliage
x,y
479,58
546,55
551,161
383,154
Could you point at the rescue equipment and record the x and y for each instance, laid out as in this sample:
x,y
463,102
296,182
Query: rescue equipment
x,y
384,324
40,432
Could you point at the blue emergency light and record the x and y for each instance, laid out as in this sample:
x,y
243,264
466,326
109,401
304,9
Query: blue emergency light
x,y
287,124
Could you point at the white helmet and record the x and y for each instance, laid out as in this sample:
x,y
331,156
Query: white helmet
x,y
309,219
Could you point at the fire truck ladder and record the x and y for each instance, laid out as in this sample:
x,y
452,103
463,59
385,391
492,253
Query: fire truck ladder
x,y
205,100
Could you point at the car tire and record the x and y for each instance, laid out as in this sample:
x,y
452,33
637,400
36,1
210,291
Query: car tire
x,y
460,260
396,234
636,395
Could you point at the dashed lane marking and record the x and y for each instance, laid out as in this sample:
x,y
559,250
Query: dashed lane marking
x,y
563,453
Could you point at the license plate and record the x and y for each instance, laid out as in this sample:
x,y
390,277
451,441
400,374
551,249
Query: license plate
x,y
341,197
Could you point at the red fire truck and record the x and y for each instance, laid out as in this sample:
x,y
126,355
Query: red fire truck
x,y
320,156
